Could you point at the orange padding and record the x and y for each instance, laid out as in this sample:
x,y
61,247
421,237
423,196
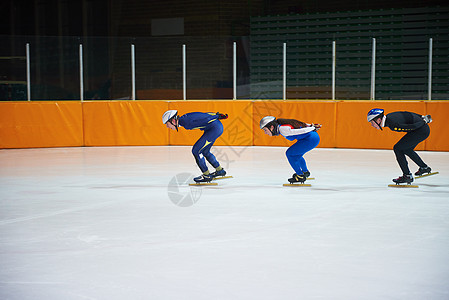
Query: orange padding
x,y
41,124
124,123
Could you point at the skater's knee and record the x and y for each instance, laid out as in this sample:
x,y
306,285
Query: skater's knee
x,y
195,151
290,152
290,155
294,154
398,148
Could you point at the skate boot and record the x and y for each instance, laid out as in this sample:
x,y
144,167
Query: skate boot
x,y
307,174
203,178
421,171
220,173
406,178
297,178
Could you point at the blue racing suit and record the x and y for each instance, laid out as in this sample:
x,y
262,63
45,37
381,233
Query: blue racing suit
x,y
212,127
307,139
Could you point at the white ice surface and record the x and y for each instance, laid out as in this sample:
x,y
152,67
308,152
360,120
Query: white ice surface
x,y
113,223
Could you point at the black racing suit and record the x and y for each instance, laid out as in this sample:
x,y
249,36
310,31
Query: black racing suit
x,y
417,131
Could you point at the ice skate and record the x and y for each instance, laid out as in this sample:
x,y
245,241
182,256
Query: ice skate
x,y
297,178
421,171
424,172
307,175
220,175
406,178
203,179
428,174
222,172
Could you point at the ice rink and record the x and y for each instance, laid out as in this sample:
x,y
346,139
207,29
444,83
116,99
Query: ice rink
x,y
122,223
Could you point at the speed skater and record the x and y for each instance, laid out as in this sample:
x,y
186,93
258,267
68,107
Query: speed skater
x,y
212,127
306,137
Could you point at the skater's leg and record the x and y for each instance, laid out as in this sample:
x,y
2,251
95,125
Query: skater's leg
x,y
294,154
202,147
199,157
419,135
296,151
406,146
309,143
400,158
210,157
212,135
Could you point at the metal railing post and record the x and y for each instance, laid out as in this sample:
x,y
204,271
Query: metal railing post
x,y
334,55
184,72
28,72
234,71
429,84
81,73
133,73
373,71
284,72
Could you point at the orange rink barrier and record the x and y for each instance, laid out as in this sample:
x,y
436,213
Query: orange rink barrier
x,y
352,128
132,123
124,123
41,124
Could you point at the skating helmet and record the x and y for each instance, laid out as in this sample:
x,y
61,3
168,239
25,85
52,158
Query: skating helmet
x,y
265,121
375,113
168,115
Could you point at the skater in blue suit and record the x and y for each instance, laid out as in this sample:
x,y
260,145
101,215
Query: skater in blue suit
x,y
306,139
212,127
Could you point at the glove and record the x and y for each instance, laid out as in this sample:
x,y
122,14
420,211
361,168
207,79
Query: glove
x,y
221,116
317,126
427,119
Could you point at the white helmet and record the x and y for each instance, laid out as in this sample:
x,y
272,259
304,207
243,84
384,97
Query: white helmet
x,y
168,115
265,120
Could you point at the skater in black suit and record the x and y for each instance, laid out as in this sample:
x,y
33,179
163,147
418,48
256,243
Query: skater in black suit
x,y
416,129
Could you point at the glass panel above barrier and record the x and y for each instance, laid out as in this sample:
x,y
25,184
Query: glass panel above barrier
x,y
106,77
208,67
401,67
13,68
54,68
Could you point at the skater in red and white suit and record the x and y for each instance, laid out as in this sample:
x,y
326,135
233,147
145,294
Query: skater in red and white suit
x,y
306,139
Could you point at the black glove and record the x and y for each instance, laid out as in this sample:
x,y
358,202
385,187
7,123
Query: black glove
x,y
221,116
427,119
